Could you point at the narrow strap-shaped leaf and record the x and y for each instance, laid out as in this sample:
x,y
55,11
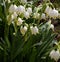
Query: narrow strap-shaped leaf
x,y
47,44
33,55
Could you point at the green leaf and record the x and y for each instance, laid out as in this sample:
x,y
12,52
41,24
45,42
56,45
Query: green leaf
x,y
46,45
33,55
1,47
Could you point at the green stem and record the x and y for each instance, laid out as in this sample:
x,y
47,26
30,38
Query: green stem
x,y
4,56
6,31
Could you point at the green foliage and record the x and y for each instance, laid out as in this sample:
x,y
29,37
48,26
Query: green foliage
x,y
31,50
28,48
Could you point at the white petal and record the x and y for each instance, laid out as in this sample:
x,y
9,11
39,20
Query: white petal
x,y
29,10
26,15
23,30
19,22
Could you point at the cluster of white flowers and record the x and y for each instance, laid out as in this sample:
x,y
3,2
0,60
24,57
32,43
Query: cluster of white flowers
x,y
18,10
19,14
34,30
27,12
55,55
48,13
52,13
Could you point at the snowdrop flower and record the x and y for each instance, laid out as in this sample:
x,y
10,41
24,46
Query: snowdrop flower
x,y
53,14
43,16
24,1
34,30
36,15
23,30
55,55
29,10
52,27
26,15
14,16
13,8
19,21
20,9
48,10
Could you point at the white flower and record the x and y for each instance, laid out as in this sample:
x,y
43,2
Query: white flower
x,y
14,16
34,30
24,1
21,9
43,16
26,15
36,15
23,30
53,14
48,10
13,8
55,55
19,21
29,10
52,27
